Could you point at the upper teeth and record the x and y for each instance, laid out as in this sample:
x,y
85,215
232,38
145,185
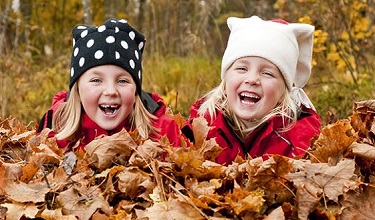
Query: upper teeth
x,y
250,95
109,106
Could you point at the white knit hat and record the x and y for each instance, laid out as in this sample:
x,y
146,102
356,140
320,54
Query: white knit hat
x,y
288,46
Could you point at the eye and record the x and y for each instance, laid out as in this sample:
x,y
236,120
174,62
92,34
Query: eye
x,y
268,73
123,81
240,68
95,80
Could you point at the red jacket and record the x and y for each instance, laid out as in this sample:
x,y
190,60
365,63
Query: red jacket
x,y
89,130
265,140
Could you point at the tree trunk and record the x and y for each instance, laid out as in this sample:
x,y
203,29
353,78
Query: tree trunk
x,y
87,12
3,27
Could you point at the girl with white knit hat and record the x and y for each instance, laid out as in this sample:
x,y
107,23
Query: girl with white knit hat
x,y
260,108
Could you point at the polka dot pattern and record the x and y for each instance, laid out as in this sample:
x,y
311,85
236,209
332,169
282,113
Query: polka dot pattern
x,y
114,42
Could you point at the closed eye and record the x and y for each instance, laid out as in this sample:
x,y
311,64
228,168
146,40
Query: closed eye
x,y
268,73
242,69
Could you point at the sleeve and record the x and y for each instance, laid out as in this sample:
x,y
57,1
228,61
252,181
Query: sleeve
x,y
46,120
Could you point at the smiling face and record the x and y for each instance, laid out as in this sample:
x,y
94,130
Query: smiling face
x,y
107,95
254,86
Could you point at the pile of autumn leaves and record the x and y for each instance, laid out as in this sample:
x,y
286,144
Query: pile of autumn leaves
x,y
122,177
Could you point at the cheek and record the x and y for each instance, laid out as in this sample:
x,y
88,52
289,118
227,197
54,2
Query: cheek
x,y
128,96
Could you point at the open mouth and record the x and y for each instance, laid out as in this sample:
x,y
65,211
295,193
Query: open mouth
x,y
249,98
109,109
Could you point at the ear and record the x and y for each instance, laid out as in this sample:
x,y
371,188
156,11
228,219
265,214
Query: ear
x,y
305,35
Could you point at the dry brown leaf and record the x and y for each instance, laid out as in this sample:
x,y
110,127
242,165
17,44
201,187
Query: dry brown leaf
x,y
57,179
215,200
125,175
363,150
12,126
170,210
23,137
22,192
121,215
359,204
14,135
37,160
17,210
179,119
277,213
200,131
69,162
10,171
307,199
106,179
270,176
56,215
333,141
363,120
202,188
104,151
83,203
145,152
134,182
332,180
243,200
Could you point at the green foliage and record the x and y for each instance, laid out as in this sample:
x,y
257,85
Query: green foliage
x,y
180,80
27,88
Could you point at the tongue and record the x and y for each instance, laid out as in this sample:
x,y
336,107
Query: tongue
x,y
108,110
249,100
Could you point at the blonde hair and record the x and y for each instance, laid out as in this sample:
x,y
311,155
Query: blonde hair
x,y
216,99
68,118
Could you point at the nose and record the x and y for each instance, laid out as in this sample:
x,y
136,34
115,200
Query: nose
x,y
110,90
252,78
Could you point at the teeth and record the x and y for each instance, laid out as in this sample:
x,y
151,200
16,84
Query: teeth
x,y
247,95
109,109
109,106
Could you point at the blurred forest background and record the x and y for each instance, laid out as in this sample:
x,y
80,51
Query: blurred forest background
x,y
185,42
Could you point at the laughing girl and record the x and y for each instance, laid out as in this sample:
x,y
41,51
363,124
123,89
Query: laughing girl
x,y
105,94
260,108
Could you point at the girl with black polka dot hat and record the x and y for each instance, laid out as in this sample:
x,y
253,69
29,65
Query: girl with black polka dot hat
x,y
105,90
260,108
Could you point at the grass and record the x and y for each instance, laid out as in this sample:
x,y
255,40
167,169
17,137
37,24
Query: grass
x,y
27,87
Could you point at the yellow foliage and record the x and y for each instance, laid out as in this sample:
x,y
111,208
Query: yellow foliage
x,y
170,98
320,40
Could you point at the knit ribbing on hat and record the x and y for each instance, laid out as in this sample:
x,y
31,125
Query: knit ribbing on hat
x,y
115,42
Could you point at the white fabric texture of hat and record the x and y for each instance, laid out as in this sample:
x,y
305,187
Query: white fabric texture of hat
x,y
287,45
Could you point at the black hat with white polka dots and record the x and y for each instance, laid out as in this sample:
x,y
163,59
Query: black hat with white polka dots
x,y
115,42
